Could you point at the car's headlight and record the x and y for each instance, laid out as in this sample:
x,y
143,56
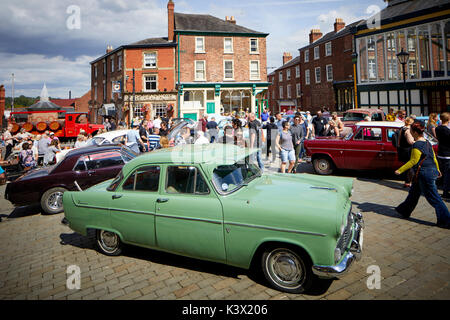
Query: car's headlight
x,y
337,255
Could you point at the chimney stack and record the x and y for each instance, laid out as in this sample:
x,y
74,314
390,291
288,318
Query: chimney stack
x,y
230,19
171,20
314,35
109,48
339,25
286,57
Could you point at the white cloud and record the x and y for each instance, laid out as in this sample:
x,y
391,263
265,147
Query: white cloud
x,y
60,74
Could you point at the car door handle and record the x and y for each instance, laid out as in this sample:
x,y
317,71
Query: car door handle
x,y
116,196
162,200
91,172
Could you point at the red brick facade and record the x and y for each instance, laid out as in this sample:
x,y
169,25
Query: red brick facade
x,y
125,60
322,92
215,56
283,91
2,103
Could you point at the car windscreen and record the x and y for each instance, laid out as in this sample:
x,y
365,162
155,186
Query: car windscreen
x,y
115,183
353,116
228,178
96,141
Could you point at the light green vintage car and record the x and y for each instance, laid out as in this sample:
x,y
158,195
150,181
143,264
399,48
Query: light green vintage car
x,y
211,202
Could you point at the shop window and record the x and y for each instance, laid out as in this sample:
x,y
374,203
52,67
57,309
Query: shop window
x,y
437,50
412,46
424,52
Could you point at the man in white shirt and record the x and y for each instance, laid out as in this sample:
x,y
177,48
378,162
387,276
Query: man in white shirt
x,y
157,122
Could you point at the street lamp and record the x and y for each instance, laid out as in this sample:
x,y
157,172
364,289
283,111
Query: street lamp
x,y
403,58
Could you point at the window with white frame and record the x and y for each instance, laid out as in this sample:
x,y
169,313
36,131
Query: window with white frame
x,y
329,72
317,74
112,64
307,77
280,76
95,71
119,62
228,70
150,60
199,44
254,46
104,68
281,92
200,70
254,70
160,109
316,53
104,90
138,110
299,90
228,45
297,71
289,91
150,83
288,74
307,55
95,92
328,49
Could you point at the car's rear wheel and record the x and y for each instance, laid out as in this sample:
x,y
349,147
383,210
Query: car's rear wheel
x,y
323,166
108,243
52,201
287,270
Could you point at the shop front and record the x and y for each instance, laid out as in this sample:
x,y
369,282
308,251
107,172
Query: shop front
x,y
150,105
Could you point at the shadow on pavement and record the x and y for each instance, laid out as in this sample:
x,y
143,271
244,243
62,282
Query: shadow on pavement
x,y
24,211
388,211
169,259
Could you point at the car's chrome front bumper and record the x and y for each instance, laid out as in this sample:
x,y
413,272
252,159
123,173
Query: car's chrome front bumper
x,y
352,254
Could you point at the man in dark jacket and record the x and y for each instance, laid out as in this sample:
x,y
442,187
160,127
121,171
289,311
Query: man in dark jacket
x,y
443,136
272,132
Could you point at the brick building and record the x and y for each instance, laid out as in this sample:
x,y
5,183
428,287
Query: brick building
x,y
221,65
148,66
327,69
285,85
420,28
2,104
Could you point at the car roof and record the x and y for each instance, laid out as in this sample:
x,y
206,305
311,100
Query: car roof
x,y
85,150
389,124
211,154
362,110
112,134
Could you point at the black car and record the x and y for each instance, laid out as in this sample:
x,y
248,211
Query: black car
x,y
87,166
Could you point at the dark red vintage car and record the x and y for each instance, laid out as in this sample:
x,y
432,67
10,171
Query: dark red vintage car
x,y
87,166
368,147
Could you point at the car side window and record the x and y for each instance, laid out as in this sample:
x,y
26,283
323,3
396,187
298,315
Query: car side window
x,y
143,179
185,180
81,164
376,117
369,134
104,160
391,133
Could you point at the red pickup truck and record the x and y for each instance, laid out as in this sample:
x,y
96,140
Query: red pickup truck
x,y
367,147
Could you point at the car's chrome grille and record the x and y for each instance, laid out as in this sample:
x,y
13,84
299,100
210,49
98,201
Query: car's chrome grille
x,y
346,236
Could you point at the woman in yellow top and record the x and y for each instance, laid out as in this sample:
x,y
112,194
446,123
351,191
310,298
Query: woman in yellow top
x,y
425,164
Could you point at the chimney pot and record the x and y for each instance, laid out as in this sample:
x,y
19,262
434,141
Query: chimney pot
x,y
339,24
286,57
314,35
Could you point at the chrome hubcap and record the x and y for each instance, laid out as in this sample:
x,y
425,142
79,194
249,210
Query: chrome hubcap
x,y
323,165
108,240
285,268
54,201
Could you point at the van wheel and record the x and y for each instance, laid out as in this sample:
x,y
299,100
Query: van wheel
x,y
323,166
52,201
108,243
287,269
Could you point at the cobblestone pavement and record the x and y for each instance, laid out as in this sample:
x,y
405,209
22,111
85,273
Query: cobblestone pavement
x,y
413,256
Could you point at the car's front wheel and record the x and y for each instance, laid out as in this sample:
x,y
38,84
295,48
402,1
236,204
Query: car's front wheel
x,y
287,269
323,166
52,201
108,243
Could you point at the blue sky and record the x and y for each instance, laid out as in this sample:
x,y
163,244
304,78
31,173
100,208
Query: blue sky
x,y
38,45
